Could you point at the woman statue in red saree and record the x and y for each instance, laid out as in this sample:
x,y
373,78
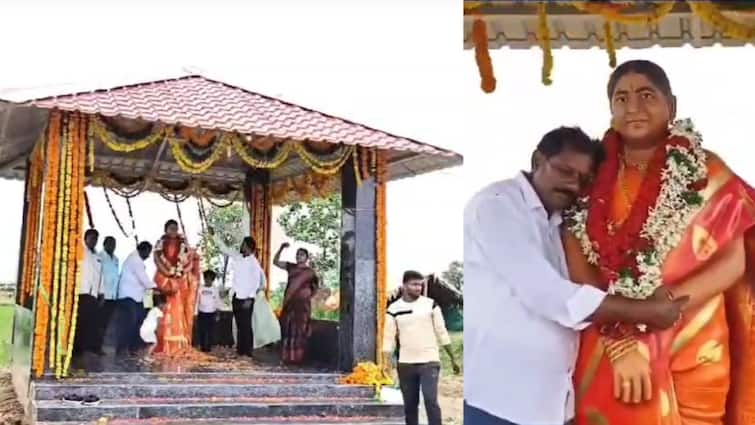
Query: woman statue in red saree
x,y
296,310
177,277
664,218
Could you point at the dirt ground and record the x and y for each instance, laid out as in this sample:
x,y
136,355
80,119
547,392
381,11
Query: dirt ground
x,y
11,411
451,399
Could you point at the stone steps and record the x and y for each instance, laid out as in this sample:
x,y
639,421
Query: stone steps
x,y
211,398
51,391
244,421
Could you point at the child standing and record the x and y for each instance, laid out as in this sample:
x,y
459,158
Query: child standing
x,y
208,303
148,330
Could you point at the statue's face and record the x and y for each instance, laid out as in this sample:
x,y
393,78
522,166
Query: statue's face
x,y
640,112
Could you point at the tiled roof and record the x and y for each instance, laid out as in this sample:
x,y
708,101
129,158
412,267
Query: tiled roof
x,y
196,101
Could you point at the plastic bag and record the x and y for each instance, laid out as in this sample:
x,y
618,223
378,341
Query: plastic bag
x,y
391,395
265,325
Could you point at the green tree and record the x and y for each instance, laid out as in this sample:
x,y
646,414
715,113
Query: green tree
x,y
317,222
227,223
455,275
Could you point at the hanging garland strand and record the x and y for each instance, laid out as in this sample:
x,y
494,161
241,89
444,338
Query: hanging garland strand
x,y
76,245
482,56
544,37
112,211
133,221
47,249
181,219
89,211
58,242
115,143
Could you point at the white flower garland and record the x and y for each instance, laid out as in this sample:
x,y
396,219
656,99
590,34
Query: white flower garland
x,y
667,221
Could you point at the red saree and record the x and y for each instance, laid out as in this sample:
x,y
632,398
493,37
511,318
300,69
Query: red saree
x,y
178,278
296,312
703,369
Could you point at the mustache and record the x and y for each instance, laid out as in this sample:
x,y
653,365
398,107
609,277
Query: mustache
x,y
569,193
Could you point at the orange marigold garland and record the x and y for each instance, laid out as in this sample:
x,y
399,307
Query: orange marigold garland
x,y
44,289
482,55
76,243
34,199
381,181
60,229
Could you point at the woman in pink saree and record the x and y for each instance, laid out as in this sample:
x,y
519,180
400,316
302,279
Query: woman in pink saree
x,y
177,277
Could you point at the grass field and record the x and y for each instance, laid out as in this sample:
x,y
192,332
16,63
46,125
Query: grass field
x,y
6,329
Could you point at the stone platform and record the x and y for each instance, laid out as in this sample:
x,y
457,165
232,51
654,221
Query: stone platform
x,y
222,392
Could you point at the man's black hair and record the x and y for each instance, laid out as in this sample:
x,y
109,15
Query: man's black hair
x,y
412,275
572,138
144,246
168,223
91,232
108,239
304,250
209,275
250,242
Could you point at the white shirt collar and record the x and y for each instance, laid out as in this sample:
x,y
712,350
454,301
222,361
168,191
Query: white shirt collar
x,y
532,200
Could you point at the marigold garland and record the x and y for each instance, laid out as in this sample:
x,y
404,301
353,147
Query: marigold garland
x,y
44,288
58,241
381,245
60,245
33,199
77,244
115,143
367,373
610,46
482,56
544,37
613,12
711,13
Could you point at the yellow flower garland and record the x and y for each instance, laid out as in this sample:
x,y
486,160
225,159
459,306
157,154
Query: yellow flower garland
x,y
708,11
239,145
610,46
544,36
113,142
711,13
76,243
612,12
58,242
189,166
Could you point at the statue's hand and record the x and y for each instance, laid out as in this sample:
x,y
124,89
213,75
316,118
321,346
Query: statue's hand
x,y
631,377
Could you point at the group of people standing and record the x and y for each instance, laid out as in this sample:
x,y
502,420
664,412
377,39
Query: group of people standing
x,y
180,297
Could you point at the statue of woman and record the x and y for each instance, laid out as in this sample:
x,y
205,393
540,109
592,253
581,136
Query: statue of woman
x,y
177,277
664,218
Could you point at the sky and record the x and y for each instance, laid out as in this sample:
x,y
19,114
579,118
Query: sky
x,y
399,67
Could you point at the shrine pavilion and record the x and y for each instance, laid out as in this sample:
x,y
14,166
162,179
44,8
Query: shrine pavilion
x,y
190,136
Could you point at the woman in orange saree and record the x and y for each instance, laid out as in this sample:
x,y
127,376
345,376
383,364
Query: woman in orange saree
x,y
177,277
664,218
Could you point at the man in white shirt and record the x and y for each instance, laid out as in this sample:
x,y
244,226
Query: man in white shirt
x,y
110,277
524,315
91,295
208,303
248,278
131,287
417,323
